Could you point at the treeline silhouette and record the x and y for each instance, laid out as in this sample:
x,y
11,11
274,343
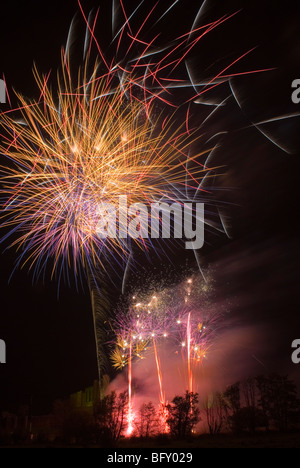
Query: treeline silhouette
x,y
268,402
263,403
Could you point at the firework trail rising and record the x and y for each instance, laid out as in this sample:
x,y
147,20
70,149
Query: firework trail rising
x,y
189,340
159,375
163,402
130,418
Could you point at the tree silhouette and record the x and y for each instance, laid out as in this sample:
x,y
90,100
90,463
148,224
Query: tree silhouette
x,y
184,414
232,406
214,413
148,421
251,415
262,384
110,415
279,401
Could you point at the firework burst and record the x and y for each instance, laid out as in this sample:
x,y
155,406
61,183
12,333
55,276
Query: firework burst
x,y
70,157
102,134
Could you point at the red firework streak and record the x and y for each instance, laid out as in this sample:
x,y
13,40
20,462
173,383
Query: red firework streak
x,y
130,417
162,396
189,340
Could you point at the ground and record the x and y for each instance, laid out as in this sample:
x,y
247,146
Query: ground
x,y
225,441
272,440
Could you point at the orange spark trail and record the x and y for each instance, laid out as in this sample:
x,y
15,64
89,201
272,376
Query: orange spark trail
x,y
159,375
190,373
130,408
162,396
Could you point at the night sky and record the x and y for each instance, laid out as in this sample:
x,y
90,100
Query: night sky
x,y
49,337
